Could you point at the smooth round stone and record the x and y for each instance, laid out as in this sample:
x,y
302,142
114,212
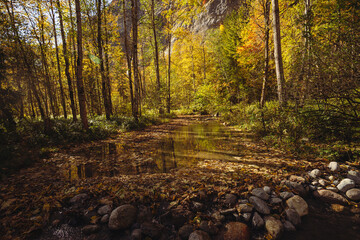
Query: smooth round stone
x,y
286,195
259,205
353,194
267,189
315,173
257,221
334,166
260,193
331,178
299,204
334,189
346,184
274,227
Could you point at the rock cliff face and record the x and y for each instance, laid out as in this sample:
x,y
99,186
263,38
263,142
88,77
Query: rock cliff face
x,y
214,13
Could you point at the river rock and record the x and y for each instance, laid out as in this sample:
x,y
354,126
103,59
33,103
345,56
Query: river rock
x,y
346,184
209,227
293,216
260,193
257,221
295,178
354,175
297,187
230,199
299,204
315,173
90,229
104,210
329,196
80,198
275,200
185,231
286,195
274,227
331,178
244,208
246,216
217,216
267,189
334,189
334,166
322,182
288,226
353,194
198,207
259,205
151,229
122,217
199,235
105,218
136,234
236,231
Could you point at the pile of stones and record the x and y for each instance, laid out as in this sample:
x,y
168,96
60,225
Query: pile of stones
x,y
264,211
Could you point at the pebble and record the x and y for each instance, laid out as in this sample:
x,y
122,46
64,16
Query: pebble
x,y
334,189
322,182
295,178
105,218
346,184
230,199
275,200
331,178
246,216
315,173
334,166
267,189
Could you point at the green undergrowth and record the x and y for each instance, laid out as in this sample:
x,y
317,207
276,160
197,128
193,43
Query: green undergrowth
x,y
310,131
30,140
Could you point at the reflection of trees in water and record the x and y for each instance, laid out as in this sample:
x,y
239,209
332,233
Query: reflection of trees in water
x,y
168,160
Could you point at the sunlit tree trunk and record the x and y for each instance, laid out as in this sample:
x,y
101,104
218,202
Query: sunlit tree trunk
x,y
62,94
79,68
277,54
158,86
128,58
266,50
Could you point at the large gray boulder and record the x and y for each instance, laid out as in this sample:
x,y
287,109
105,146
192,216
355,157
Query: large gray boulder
x,y
298,204
259,205
122,217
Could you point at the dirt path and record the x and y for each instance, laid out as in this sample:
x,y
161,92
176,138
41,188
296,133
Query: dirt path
x,y
30,198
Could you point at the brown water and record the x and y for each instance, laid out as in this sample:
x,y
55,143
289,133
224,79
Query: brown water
x,y
185,147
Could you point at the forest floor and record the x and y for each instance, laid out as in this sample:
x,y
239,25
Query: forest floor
x,y
31,199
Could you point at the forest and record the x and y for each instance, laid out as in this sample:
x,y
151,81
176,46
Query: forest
x,y
77,74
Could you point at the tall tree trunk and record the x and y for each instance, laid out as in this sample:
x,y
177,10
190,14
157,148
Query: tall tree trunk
x,y
157,69
107,67
102,68
128,59
58,61
79,68
277,53
266,50
67,63
134,18
168,105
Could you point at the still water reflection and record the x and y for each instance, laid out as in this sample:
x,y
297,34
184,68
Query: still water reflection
x,y
184,147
